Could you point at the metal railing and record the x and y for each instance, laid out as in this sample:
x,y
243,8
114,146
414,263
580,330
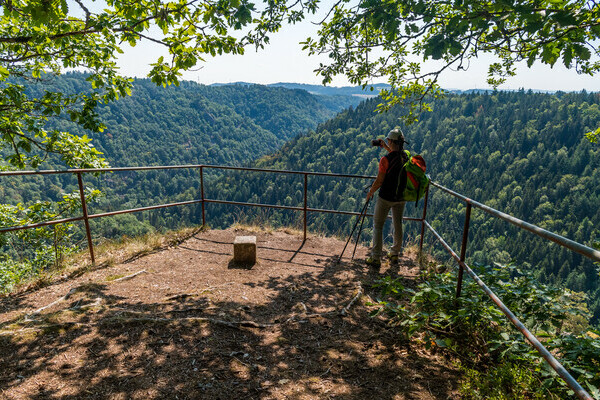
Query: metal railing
x,y
574,246
203,200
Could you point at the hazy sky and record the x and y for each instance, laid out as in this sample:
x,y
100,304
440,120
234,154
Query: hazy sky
x,y
284,61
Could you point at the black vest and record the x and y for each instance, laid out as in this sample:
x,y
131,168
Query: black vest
x,y
389,188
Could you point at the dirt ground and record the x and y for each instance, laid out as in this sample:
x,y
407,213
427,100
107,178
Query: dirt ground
x,y
186,323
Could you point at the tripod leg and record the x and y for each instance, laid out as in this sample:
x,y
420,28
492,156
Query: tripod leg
x,y
362,211
360,229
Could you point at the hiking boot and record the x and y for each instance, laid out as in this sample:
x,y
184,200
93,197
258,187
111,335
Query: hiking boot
x,y
373,262
393,258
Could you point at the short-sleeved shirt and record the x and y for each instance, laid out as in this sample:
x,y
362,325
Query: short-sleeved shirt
x,y
391,165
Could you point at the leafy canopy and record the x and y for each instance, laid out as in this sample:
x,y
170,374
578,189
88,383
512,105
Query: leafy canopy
x,y
364,40
391,38
49,36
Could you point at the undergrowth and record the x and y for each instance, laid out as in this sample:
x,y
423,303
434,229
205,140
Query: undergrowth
x,y
496,360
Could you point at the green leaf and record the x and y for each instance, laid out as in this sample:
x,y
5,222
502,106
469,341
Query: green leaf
x,y
564,18
4,73
64,7
454,47
594,391
550,53
568,56
581,51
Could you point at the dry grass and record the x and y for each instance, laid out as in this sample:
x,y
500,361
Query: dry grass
x,y
107,254
254,228
258,228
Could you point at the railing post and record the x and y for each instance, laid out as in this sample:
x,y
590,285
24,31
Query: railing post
x,y
423,220
202,193
305,203
463,249
85,218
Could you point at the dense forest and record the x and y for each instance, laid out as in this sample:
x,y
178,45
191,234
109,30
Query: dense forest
x,y
188,124
521,152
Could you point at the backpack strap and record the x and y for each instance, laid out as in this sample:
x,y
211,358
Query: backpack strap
x,y
418,183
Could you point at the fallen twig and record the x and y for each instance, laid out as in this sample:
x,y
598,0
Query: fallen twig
x,y
190,309
359,293
342,312
96,302
185,295
121,319
141,316
235,325
65,297
128,277
181,296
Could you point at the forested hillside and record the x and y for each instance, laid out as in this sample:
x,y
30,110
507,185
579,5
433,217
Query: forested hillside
x,y
359,91
189,124
522,153
196,123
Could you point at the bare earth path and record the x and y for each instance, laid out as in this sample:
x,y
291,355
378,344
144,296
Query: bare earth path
x,y
190,325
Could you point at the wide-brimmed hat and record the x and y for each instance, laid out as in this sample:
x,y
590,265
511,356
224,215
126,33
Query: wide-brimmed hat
x,y
396,135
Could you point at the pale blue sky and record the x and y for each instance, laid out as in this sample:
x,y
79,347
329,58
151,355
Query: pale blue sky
x,y
284,61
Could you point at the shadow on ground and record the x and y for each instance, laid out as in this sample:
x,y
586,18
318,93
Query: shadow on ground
x,y
292,343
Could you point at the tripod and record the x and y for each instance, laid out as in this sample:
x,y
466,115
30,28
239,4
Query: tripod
x,y
361,218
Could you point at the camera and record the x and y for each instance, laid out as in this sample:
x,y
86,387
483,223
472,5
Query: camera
x,y
377,142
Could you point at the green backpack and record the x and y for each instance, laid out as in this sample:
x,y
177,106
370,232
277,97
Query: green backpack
x,y
412,180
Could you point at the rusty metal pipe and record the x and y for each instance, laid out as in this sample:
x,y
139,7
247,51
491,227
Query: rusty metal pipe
x,y
202,195
553,362
561,240
132,210
40,224
305,204
426,202
108,214
164,167
86,219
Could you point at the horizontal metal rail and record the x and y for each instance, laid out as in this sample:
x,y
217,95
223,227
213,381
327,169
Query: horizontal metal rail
x,y
182,203
132,210
191,166
94,170
86,217
41,224
557,366
318,210
561,240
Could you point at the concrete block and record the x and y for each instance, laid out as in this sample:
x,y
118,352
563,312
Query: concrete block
x,y
244,250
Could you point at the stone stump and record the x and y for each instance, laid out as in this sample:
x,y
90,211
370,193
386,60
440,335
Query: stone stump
x,y
244,250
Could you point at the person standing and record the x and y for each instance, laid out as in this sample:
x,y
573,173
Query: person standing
x,y
386,182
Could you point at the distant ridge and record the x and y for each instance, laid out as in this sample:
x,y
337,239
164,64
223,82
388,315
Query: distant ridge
x,y
358,91
487,91
369,91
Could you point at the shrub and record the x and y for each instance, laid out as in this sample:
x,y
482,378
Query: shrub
x,y
474,330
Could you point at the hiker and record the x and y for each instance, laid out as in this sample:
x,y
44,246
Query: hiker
x,y
387,182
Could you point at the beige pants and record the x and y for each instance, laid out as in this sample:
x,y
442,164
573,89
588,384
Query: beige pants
x,y
382,208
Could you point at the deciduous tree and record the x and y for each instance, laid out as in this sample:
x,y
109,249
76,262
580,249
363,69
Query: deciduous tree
x,y
364,40
43,37
392,38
